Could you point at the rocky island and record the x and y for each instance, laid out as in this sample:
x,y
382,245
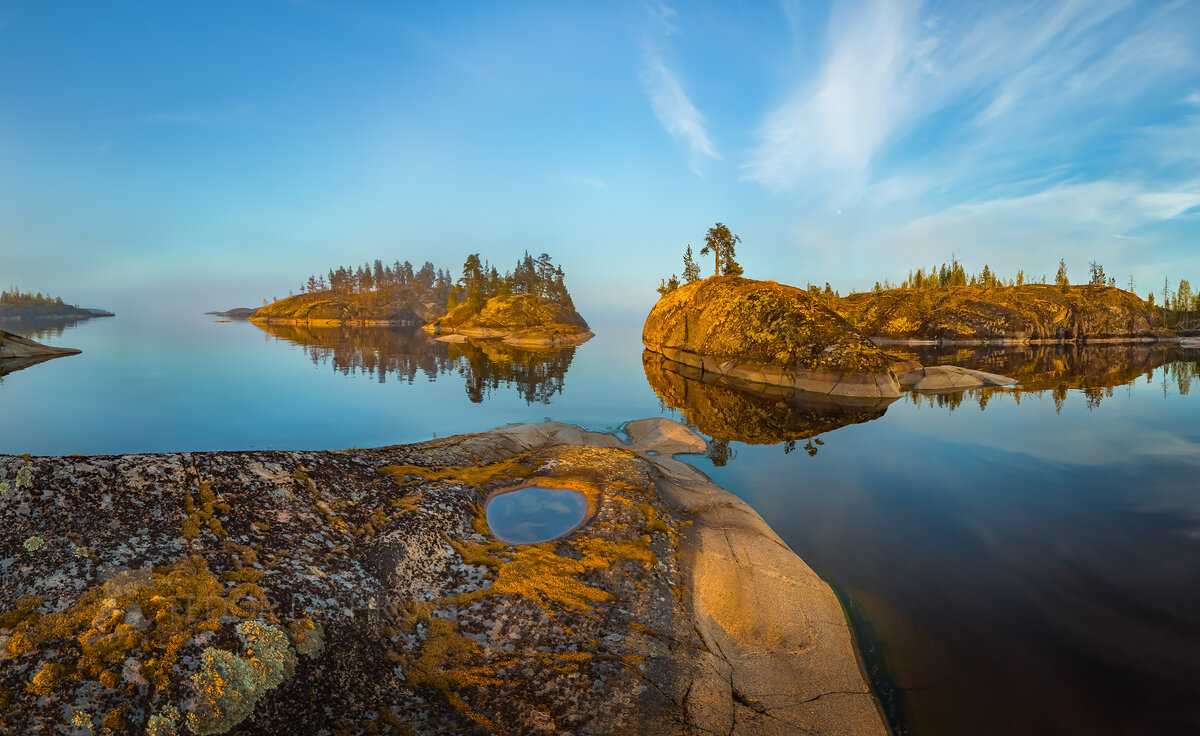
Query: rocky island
x,y
17,306
365,591
762,332
1030,313
522,320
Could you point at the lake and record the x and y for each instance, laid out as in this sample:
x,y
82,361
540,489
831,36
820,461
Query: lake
x,y
1015,561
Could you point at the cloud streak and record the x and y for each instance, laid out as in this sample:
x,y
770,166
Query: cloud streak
x,y
675,112
889,70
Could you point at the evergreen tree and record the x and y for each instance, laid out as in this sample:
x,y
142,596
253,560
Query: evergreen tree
x,y
1061,277
667,286
721,242
691,271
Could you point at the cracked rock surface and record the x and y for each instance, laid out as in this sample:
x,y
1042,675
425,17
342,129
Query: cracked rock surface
x,y
361,592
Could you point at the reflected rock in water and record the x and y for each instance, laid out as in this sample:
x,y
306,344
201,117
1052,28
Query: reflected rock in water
x,y
405,352
755,414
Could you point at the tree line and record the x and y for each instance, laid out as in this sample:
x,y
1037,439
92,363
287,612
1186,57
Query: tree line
x,y
13,295
480,281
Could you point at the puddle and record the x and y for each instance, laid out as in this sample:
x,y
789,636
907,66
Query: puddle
x,y
535,514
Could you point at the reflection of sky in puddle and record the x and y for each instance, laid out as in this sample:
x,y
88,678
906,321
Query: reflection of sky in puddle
x,y
535,514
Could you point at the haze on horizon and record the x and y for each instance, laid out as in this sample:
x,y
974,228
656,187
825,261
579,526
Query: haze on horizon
x,y
215,154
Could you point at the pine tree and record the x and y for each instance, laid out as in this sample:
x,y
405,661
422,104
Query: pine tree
x,y
721,243
1061,277
691,272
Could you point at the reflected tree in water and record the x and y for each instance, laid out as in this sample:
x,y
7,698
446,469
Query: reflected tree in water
x,y
406,352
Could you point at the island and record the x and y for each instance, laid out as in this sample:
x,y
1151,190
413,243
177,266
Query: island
x,y
240,313
17,306
372,591
763,332
1030,313
521,320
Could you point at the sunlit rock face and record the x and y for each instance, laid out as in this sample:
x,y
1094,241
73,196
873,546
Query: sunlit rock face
x,y
525,320
363,592
767,333
752,413
1013,313
333,308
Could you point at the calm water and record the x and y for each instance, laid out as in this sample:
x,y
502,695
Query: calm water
x,y
1016,562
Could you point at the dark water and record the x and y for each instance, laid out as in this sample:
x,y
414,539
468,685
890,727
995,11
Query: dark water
x,y
535,514
1017,561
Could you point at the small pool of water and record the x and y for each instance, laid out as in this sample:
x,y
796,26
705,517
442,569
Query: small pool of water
x,y
535,514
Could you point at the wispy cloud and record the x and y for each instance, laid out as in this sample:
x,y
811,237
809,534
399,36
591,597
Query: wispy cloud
x,y
665,15
675,112
974,79
1103,216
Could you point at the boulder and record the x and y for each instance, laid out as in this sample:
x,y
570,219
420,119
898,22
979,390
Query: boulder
x,y
767,333
361,591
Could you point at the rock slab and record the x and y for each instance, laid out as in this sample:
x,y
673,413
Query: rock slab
x,y
361,592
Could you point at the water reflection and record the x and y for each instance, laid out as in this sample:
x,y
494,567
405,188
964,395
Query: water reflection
x,y
1095,370
754,416
40,328
406,352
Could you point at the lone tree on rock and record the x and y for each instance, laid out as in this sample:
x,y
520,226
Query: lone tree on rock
x,y
721,242
691,272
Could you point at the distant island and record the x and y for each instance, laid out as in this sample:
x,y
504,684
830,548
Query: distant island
x,y
235,313
528,306
15,305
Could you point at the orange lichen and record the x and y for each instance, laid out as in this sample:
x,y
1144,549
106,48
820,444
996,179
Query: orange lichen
x,y
154,612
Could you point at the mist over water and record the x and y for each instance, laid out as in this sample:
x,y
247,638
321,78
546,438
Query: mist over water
x,y
1016,561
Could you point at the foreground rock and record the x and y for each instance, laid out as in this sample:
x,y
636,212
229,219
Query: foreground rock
x,y
1029,313
521,320
17,353
361,592
767,333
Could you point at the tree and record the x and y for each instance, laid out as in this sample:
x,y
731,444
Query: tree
x,y
545,273
1184,297
1098,277
1061,277
691,272
667,286
721,243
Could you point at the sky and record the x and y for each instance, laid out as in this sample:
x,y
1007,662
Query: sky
x,y
212,154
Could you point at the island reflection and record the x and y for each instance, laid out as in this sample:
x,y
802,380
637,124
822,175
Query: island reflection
x,y
1094,370
734,411
406,352
754,415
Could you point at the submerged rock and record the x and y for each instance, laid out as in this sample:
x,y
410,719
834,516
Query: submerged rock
x,y
950,378
362,592
767,333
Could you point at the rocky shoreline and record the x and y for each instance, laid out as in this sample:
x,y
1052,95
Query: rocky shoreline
x,y
362,592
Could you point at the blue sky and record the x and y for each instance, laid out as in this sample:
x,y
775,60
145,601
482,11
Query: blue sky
x,y
215,153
